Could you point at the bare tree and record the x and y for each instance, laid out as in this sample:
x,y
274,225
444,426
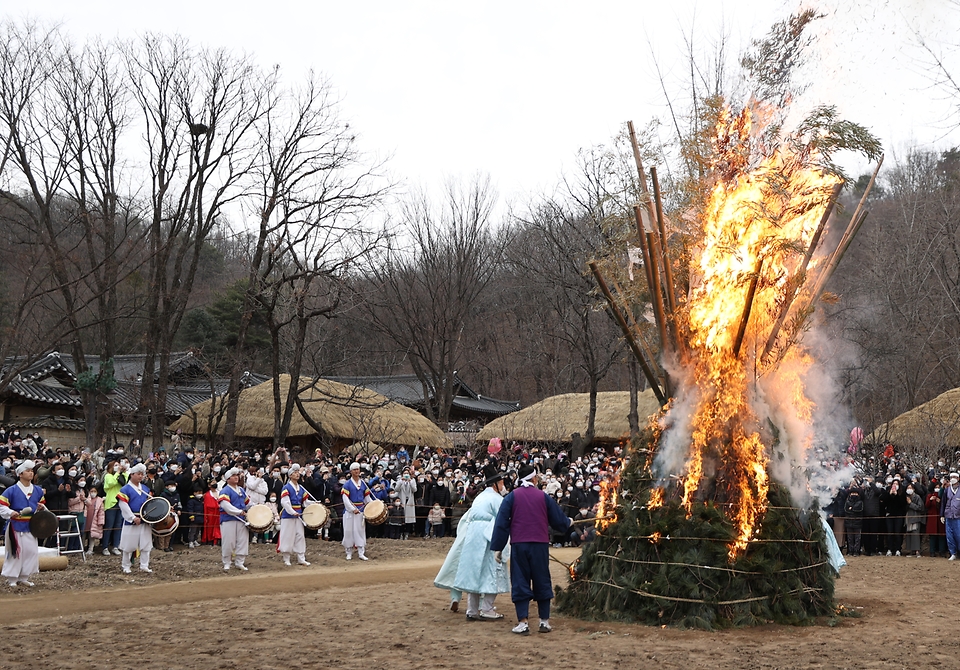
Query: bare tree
x,y
310,193
429,281
199,111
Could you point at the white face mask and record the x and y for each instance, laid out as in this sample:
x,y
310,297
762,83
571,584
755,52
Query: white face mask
x,y
58,473
7,464
82,483
73,473
171,489
284,471
217,469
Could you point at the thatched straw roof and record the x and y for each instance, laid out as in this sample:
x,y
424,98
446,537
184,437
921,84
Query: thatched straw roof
x,y
932,424
344,412
556,419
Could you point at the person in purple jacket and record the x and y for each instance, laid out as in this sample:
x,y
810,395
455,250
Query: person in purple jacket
x,y
525,517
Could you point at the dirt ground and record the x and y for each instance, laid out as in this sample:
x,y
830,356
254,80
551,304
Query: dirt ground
x,y
385,613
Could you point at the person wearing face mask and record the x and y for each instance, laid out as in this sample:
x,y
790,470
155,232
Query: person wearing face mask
x,y
470,566
169,492
77,506
950,513
934,529
193,518
914,520
895,500
113,480
58,491
211,516
407,495
873,524
94,518
438,494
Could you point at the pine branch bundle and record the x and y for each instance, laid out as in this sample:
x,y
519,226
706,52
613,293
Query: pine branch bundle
x,y
659,566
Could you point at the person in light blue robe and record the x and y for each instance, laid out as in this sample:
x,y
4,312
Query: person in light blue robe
x,y
470,566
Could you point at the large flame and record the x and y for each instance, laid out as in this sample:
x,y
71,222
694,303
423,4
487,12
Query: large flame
x,y
758,221
607,507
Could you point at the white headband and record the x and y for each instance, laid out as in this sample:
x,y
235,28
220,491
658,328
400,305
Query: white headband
x,y
139,467
23,467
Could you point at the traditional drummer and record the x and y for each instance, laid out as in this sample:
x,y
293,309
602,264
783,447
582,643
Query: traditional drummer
x,y
293,500
135,534
355,495
17,504
234,537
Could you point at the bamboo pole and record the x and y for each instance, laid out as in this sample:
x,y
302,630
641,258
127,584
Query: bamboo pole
x,y
852,229
641,340
648,201
618,317
665,260
642,234
747,308
847,237
801,272
658,307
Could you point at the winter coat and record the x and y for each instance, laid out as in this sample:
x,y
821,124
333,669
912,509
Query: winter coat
x,y
407,488
934,525
871,501
915,511
853,509
58,501
95,517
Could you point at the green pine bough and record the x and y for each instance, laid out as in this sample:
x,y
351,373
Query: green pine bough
x,y
662,567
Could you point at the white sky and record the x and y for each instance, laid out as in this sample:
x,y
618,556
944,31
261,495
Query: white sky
x,y
514,89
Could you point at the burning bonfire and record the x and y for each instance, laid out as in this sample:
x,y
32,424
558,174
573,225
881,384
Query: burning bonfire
x,y
714,522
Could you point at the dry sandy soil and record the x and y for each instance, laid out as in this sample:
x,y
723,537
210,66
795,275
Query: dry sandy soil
x,y
385,613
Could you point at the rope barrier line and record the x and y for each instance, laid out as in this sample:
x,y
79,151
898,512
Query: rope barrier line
x,y
710,567
686,600
716,539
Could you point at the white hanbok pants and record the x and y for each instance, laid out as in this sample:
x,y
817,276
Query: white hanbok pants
x,y
19,568
354,531
292,540
133,537
235,541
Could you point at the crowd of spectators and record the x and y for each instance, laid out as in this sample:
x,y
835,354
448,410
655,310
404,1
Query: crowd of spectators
x,y
891,509
426,490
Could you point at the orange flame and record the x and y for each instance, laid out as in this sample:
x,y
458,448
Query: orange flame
x,y
656,498
758,220
607,507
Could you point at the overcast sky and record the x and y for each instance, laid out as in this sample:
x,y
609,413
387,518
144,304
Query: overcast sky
x,y
514,89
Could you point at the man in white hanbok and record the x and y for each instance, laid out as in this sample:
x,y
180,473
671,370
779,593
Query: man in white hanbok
x,y
470,566
22,557
356,493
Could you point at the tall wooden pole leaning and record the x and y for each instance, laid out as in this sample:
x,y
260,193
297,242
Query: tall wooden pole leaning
x,y
665,259
658,306
800,274
618,317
